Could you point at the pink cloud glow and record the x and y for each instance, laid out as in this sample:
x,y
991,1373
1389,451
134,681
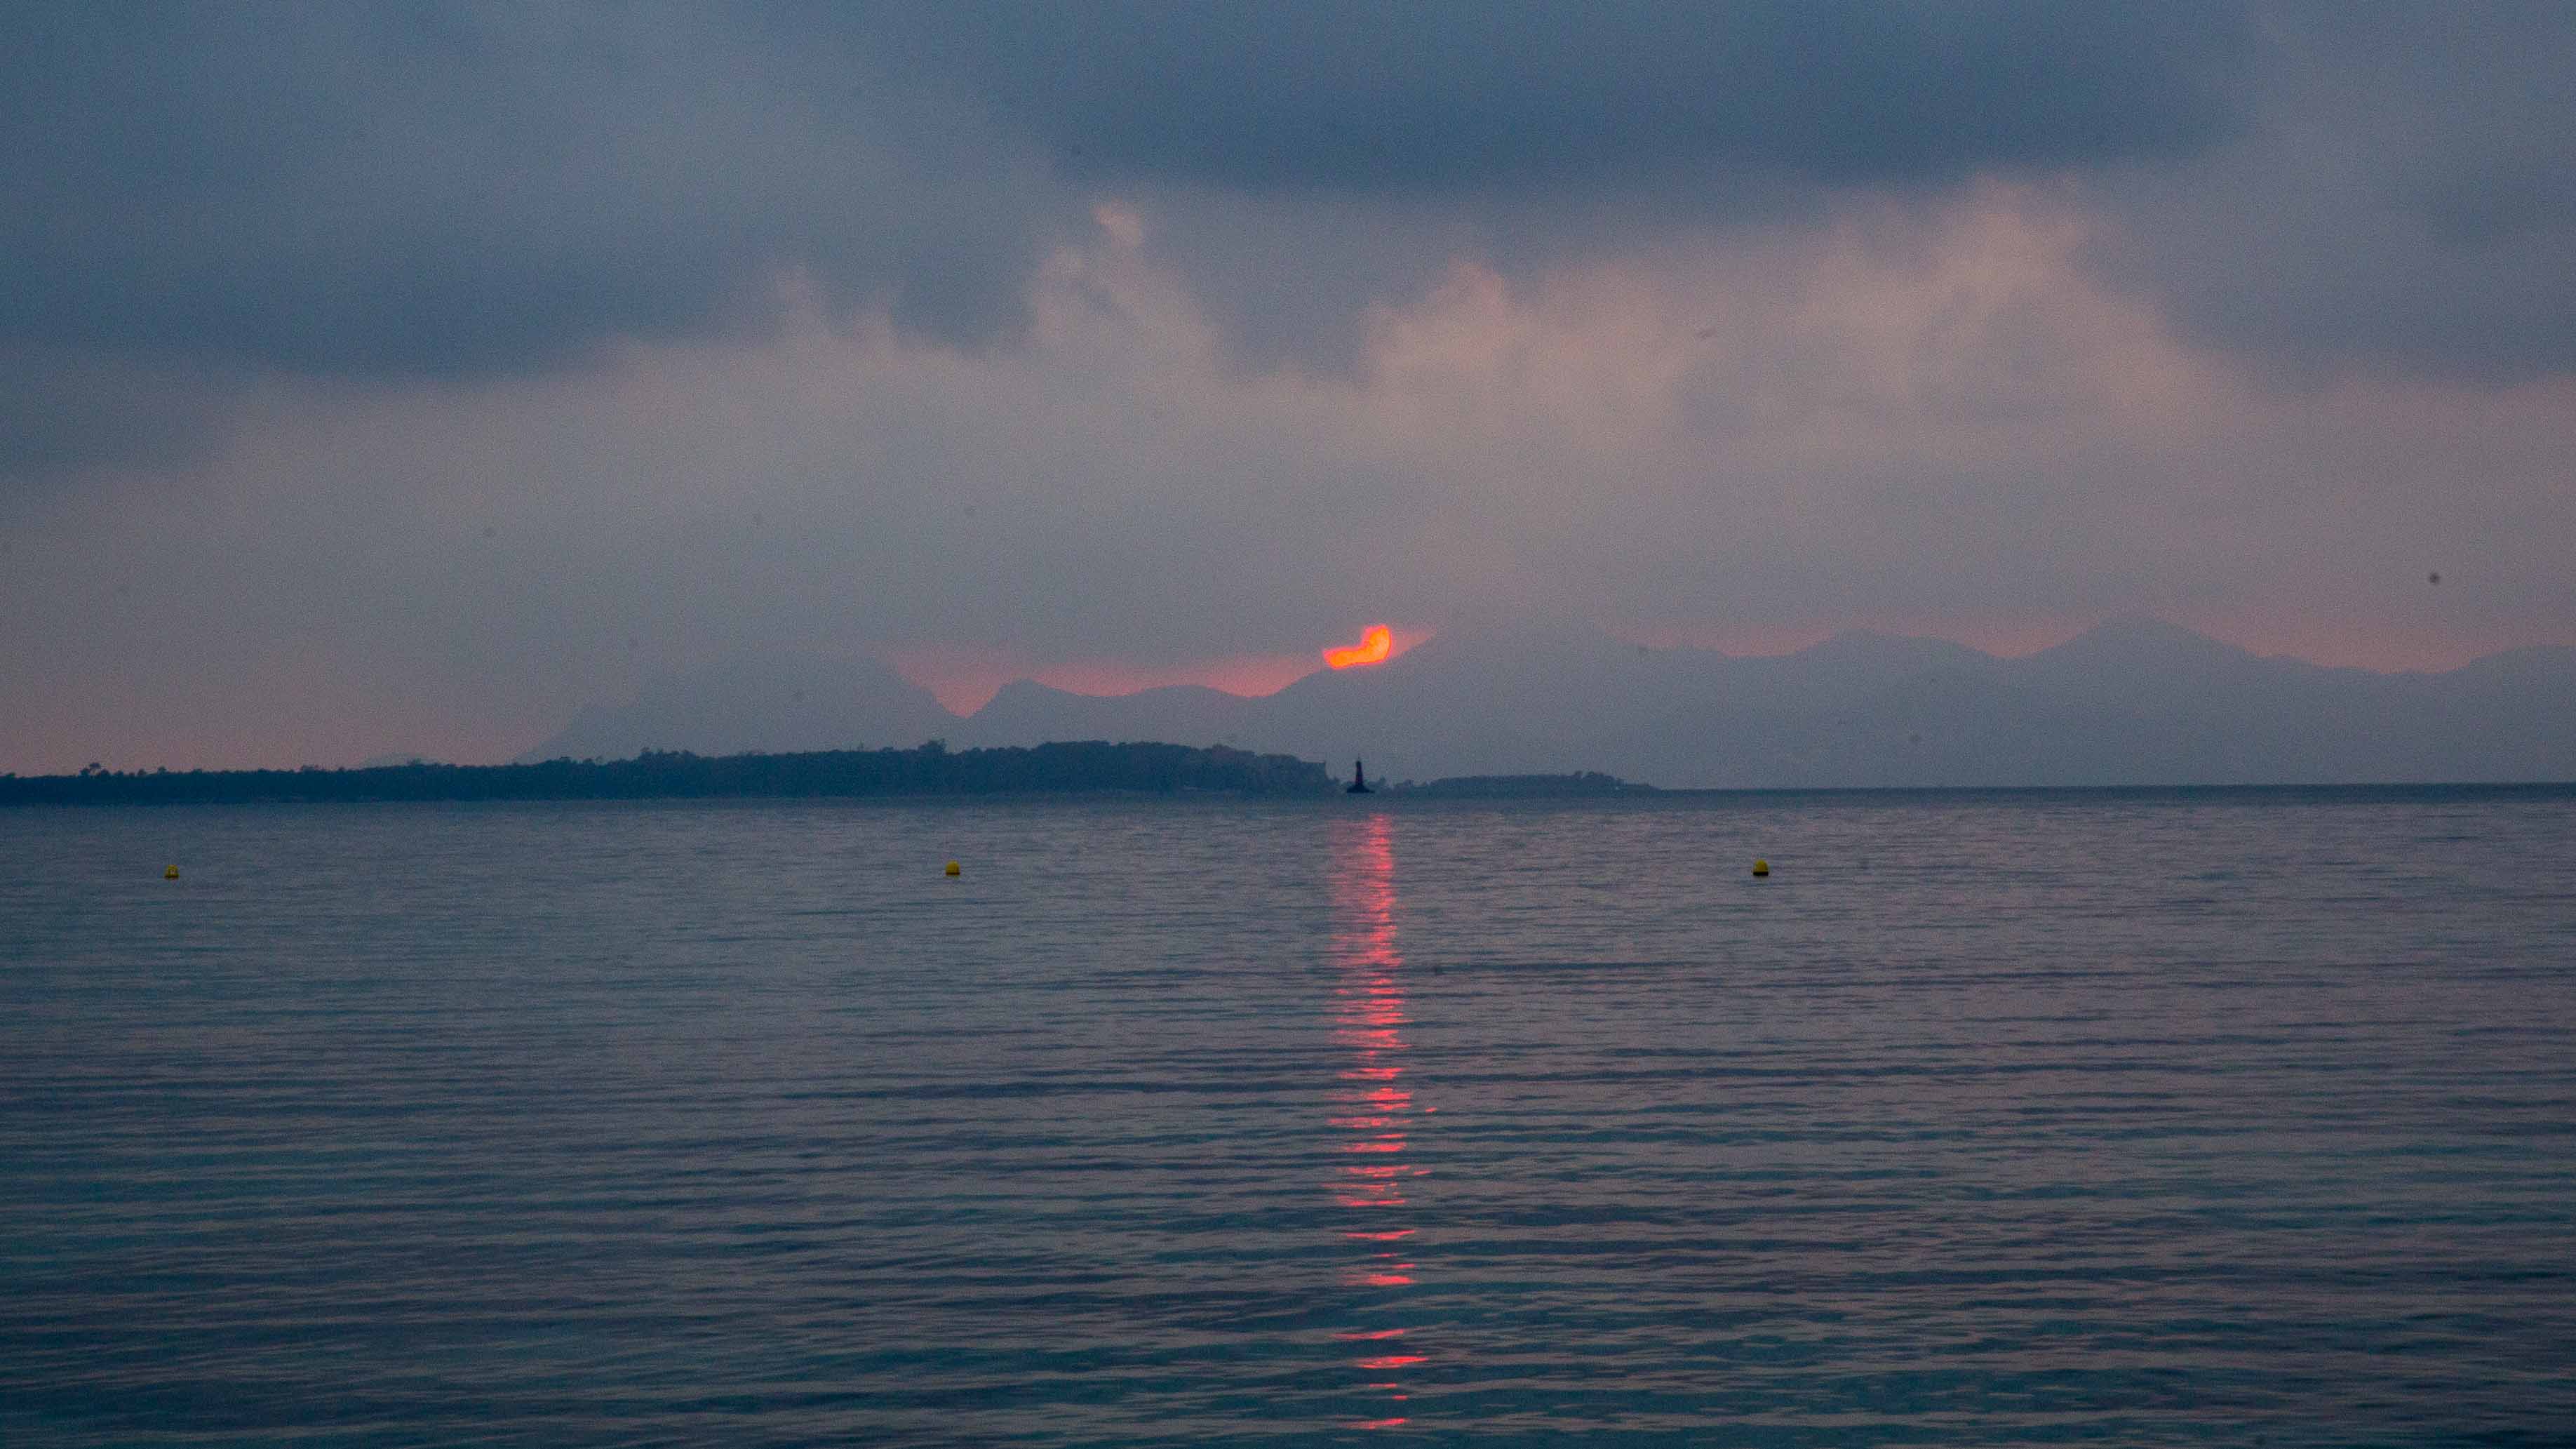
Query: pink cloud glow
x,y
963,678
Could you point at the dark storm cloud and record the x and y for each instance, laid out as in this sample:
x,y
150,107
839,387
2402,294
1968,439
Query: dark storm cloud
x,y
452,192
2404,198
1445,96
63,410
447,191
439,190
1318,158
199,195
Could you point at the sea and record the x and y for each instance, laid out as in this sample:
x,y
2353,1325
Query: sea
x,y
2051,1117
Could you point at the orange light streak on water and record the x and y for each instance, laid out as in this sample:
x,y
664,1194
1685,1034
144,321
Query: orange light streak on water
x,y
1374,1113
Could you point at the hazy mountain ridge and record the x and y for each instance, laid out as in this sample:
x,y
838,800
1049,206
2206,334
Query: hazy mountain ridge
x,y
774,704
1026,712
2130,702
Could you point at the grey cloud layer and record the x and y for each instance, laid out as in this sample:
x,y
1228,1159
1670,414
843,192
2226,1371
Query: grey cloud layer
x,y
2404,198
1455,96
356,191
456,192
203,193
450,191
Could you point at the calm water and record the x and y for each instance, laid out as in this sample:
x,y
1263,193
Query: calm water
x,y
1985,1120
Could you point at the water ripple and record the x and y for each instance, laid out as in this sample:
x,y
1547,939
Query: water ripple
x,y
1995,1120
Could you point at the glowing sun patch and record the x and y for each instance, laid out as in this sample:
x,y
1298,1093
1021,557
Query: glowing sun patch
x,y
1375,642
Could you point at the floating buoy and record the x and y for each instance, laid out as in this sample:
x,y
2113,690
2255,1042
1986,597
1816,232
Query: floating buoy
x,y
170,872
952,867
1761,867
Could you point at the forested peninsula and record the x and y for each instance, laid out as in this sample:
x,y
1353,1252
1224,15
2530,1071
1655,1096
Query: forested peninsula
x,y
930,769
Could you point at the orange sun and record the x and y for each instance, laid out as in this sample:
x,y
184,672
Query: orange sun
x,y
1375,642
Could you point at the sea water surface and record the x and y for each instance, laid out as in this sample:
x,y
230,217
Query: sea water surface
x,y
2154,1118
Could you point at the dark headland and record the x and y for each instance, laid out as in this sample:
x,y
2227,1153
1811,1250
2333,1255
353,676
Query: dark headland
x,y
1524,787
930,769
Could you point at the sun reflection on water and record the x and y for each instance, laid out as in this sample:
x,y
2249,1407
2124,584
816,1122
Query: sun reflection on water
x,y
1371,1107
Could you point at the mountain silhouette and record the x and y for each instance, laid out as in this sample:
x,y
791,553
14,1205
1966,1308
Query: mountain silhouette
x,y
1024,712
2131,702
774,704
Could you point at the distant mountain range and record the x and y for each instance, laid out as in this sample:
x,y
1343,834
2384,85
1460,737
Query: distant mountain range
x,y
2132,702
775,705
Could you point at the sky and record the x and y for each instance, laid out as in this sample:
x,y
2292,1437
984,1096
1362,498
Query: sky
x,y
395,379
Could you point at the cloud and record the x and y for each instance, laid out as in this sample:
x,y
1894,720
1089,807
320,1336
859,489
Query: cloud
x,y
64,409
1468,94
212,195
462,191
2402,200
450,192
1310,162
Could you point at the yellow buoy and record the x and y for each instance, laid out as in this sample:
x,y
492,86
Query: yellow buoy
x,y
170,873
1761,867
952,867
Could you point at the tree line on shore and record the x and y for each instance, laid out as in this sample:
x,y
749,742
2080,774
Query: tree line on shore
x,y
928,769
